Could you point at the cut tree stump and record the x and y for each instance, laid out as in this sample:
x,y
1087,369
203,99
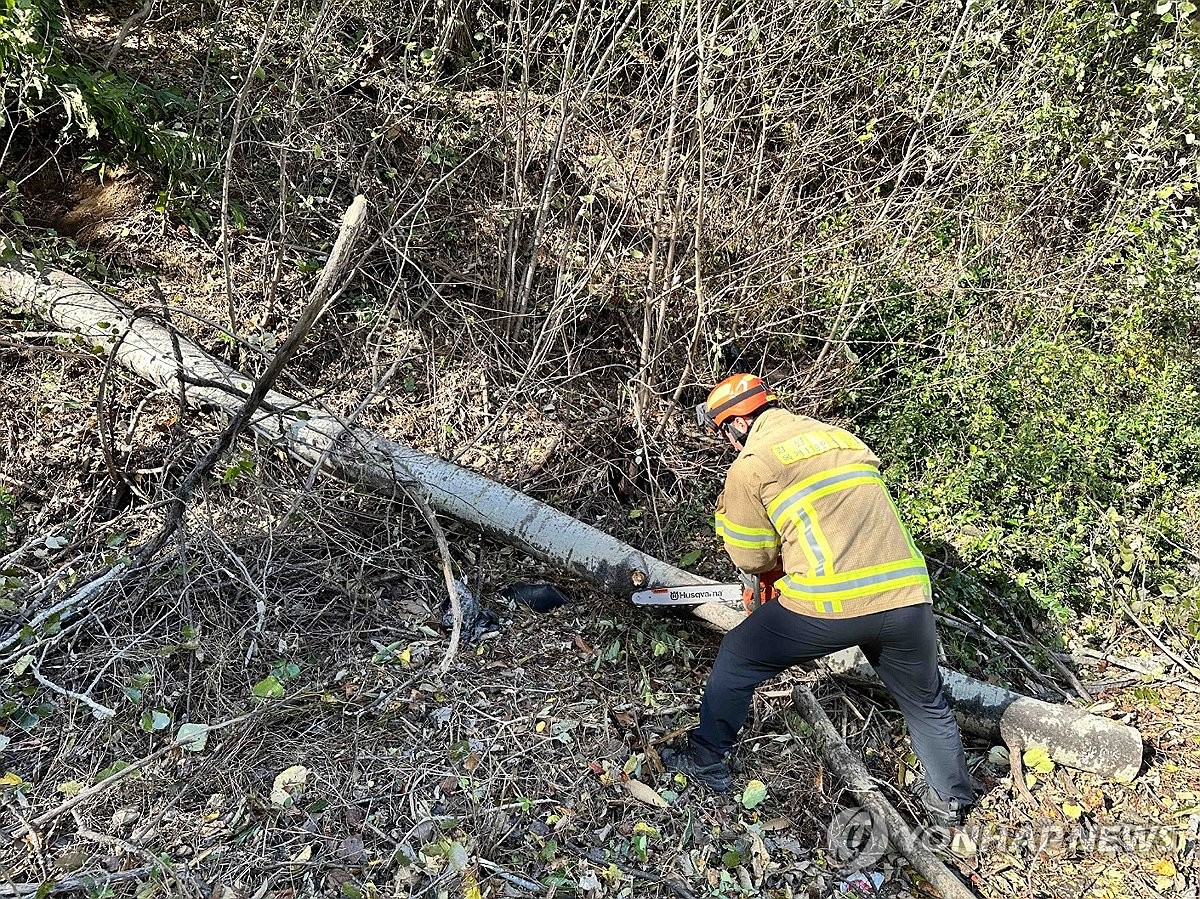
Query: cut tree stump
x,y
148,347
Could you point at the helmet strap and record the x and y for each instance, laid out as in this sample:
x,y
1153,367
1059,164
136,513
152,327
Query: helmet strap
x,y
739,436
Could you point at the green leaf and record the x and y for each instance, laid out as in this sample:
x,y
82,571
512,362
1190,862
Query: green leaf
x,y
754,794
285,671
198,733
1037,758
114,768
268,688
155,720
689,558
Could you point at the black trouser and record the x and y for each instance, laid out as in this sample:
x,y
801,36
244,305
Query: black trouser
x,y
901,645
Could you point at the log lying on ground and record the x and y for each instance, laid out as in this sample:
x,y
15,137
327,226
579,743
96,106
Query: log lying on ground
x,y
150,349
1073,737
886,822
147,347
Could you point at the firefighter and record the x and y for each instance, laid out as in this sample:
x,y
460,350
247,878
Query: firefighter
x,y
827,565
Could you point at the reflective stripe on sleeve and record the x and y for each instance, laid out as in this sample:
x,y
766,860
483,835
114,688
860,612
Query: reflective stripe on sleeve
x,y
745,537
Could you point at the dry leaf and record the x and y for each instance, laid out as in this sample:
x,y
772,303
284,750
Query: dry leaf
x,y
583,645
1164,867
645,794
289,784
759,857
471,887
776,824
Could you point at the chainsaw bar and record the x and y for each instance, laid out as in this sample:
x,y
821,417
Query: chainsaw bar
x,y
691,595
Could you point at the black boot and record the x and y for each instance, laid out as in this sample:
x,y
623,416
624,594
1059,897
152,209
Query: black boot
x,y
942,812
715,775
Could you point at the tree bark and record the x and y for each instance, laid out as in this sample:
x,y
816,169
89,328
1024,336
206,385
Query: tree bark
x,y
147,347
1073,737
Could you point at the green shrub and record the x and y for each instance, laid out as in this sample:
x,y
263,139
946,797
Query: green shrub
x,y
52,96
1055,448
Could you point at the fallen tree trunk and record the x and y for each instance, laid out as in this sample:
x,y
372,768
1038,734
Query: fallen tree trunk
x,y
150,349
1073,737
168,360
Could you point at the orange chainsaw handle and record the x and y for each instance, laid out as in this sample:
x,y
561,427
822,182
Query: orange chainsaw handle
x,y
763,591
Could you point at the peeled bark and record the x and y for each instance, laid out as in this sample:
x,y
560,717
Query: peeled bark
x,y
150,349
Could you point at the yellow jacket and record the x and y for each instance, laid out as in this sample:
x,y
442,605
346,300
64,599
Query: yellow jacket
x,y
809,495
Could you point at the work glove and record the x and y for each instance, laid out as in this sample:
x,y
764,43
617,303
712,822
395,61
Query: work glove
x,y
760,588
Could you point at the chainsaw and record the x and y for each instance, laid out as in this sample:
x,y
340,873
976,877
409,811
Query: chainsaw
x,y
692,595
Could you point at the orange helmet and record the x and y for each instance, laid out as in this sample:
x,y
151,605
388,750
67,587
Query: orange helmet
x,y
736,395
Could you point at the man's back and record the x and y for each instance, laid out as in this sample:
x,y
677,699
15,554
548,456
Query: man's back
x,y
810,494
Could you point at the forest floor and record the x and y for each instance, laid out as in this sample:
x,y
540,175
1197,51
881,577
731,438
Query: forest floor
x,y
301,624
306,624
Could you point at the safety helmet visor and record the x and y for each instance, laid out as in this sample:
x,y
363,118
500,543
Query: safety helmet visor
x,y
705,421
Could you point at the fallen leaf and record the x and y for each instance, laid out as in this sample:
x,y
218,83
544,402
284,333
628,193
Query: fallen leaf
x,y
289,784
457,856
268,688
1071,810
69,788
1164,867
586,649
648,829
155,720
196,733
9,779
754,794
1037,758
776,824
759,857
471,887
589,882
645,794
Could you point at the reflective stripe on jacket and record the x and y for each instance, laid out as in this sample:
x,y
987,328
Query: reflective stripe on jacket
x,y
810,495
